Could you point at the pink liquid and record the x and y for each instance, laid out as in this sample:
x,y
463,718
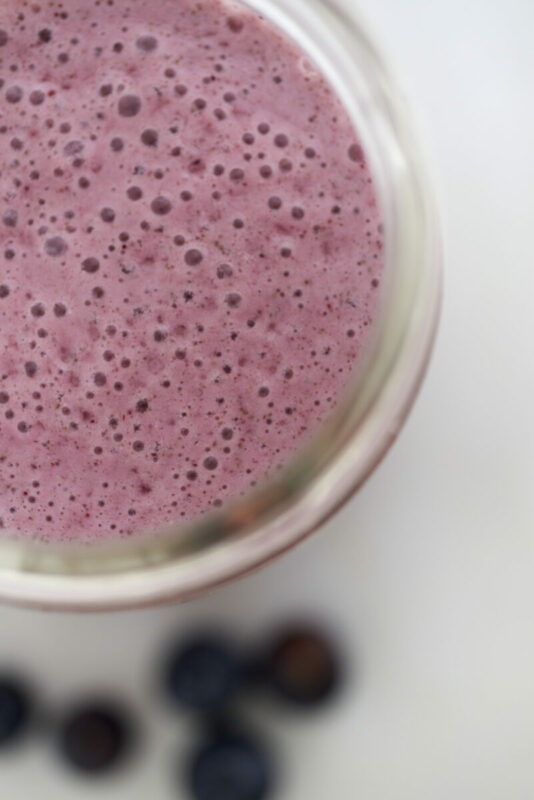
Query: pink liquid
x,y
190,252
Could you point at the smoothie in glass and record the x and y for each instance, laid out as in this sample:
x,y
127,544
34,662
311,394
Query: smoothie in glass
x,y
190,261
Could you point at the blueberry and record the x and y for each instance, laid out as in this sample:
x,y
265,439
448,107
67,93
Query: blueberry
x,y
14,710
203,674
230,767
94,738
302,667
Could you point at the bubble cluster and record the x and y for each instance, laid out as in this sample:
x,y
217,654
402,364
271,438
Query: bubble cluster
x,y
190,261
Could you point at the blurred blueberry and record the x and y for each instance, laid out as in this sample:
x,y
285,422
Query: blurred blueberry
x,y
94,738
14,709
230,767
254,670
203,674
302,667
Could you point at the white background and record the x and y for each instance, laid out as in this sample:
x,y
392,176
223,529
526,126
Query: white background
x,y
429,574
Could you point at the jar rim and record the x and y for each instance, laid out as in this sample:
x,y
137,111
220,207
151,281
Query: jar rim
x,y
275,517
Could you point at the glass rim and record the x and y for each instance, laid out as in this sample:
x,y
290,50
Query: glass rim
x,y
186,561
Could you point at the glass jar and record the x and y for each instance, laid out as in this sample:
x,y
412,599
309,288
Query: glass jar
x,y
177,564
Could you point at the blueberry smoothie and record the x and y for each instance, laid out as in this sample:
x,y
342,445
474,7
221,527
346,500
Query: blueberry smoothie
x,y
190,261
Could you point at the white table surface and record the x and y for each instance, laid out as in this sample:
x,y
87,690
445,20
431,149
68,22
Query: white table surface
x,y
429,573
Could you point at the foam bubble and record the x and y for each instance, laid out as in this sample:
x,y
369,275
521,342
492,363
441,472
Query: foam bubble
x,y
107,214
37,97
355,153
129,105
147,43
224,271
134,192
235,24
90,265
60,309
193,257
99,379
149,137
233,299
73,148
117,144
161,205
30,368
10,218
37,310
55,246
237,175
14,94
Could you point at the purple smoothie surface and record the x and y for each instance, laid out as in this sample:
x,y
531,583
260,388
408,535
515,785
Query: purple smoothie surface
x,y
190,261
